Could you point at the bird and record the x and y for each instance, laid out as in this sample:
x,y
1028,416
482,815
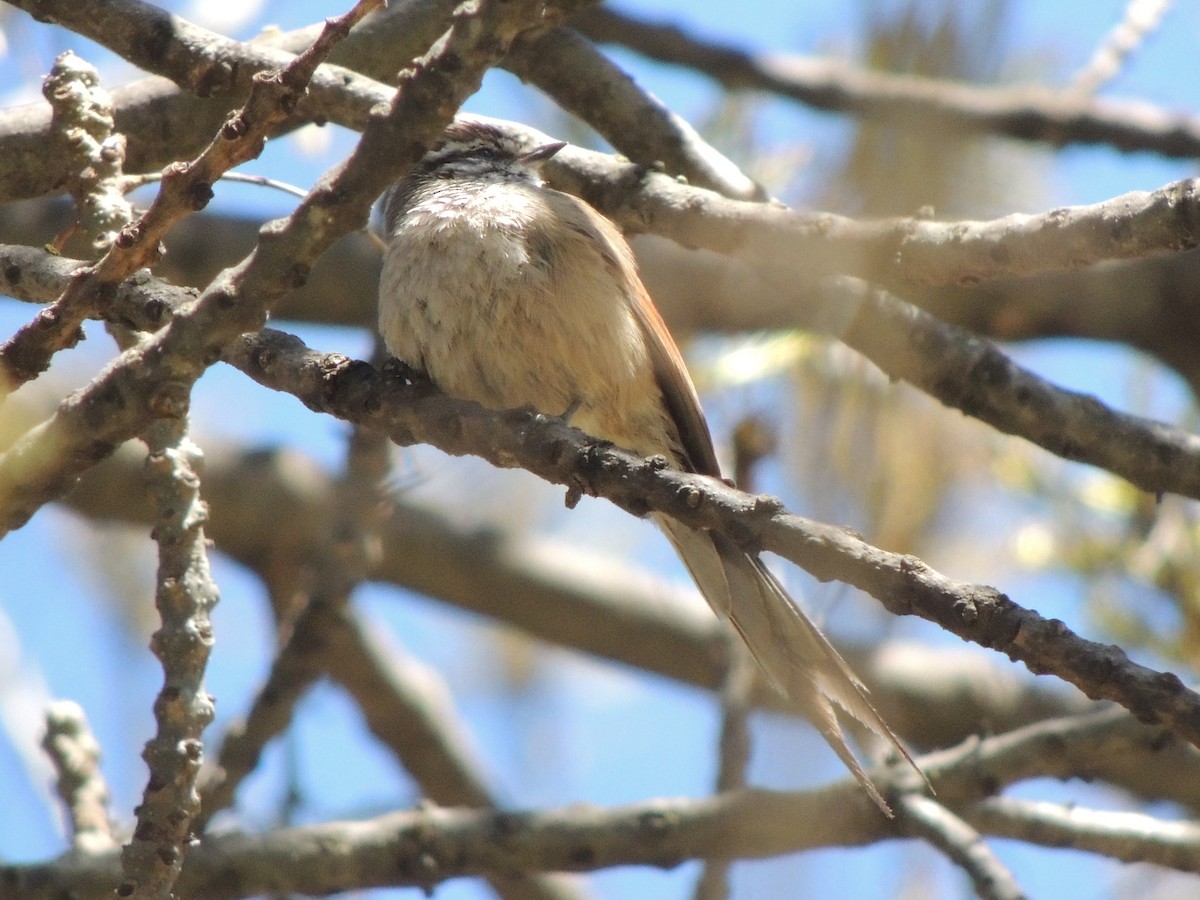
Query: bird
x,y
509,293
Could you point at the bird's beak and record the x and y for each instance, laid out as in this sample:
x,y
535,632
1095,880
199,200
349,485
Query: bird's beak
x,y
539,155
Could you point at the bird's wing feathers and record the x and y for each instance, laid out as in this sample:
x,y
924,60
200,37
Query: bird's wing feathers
x,y
677,389
678,392
792,653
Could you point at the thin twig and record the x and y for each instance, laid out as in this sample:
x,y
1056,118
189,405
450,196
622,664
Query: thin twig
x,y
143,384
408,707
1028,112
925,818
73,749
1140,20
736,694
132,182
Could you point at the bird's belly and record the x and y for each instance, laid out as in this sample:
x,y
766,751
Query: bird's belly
x,y
491,322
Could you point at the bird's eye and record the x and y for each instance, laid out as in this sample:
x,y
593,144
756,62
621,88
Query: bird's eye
x,y
486,152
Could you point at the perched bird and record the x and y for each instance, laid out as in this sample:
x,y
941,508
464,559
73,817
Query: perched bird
x,y
507,292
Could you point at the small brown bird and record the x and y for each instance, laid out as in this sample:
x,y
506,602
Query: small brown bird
x,y
507,292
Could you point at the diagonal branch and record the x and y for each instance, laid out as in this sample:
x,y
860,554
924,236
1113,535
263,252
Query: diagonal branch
x,y
973,375
925,818
186,188
1029,113
584,82
548,448
331,383
563,596
147,381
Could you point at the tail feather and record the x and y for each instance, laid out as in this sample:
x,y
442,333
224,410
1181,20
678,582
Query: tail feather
x,y
793,655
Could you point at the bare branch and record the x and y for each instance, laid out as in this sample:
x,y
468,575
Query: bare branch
x,y
552,591
1028,113
638,124
562,455
971,374
73,749
736,693
430,845
93,151
409,708
925,818
1129,837
897,253
1140,20
185,596
424,847
294,670
145,382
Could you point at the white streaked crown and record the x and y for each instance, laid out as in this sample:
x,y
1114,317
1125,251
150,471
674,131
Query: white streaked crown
x,y
479,150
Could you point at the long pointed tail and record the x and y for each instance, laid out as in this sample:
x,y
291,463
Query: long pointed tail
x,y
795,657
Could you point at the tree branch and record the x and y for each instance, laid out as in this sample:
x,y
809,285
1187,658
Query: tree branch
x,y
899,254
584,82
1029,113
973,375
73,749
552,591
562,455
1129,837
905,585
146,382
427,846
925,818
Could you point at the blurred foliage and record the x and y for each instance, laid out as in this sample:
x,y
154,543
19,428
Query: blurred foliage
x,y
887,460
888,170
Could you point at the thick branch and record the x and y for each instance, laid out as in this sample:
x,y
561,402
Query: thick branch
x,y
979,614
427,846
431,845
973,375
559,454
897,253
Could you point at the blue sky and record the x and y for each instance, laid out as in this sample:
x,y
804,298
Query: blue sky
x,y
577,730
